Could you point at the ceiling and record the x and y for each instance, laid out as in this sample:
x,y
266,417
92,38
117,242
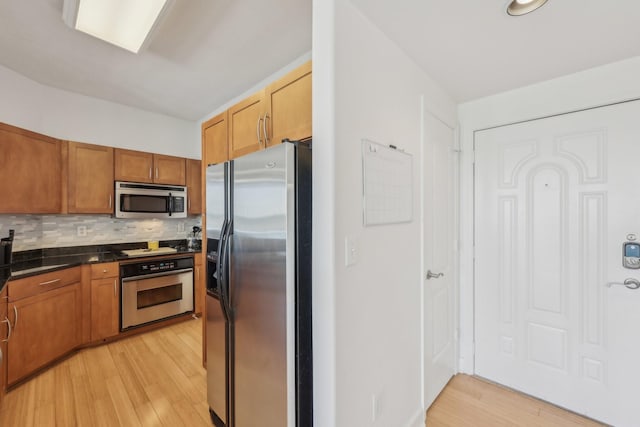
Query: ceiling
x,y
206,52
473,48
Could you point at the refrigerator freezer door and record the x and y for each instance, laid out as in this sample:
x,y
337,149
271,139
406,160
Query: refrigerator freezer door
x,y
216,360
217,191
261,288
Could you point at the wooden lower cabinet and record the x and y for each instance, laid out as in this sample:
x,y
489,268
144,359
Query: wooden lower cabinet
x,y
105,302
199,285
4,335
46,326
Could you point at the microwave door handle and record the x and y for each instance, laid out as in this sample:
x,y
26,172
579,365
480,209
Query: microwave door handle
x,y
170,204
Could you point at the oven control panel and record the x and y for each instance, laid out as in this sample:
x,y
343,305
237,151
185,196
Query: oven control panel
x,y
155,266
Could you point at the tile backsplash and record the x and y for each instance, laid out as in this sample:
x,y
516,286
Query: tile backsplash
x,y
50,231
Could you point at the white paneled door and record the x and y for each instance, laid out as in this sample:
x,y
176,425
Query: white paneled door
x,y
555,199
439,295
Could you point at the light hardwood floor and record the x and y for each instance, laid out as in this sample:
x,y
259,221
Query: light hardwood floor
x,y
472,402
157,379
153,379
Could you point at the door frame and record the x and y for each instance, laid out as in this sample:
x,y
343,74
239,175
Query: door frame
x,y
499,111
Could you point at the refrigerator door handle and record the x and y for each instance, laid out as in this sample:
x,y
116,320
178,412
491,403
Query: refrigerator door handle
x,y
221,269
224,270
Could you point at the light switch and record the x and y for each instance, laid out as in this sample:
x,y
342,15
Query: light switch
x,y
350,251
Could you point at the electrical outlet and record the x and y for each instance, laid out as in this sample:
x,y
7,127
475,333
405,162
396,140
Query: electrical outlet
x,y
181,227
82,231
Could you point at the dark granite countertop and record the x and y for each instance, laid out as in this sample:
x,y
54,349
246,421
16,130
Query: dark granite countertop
x,y
39,261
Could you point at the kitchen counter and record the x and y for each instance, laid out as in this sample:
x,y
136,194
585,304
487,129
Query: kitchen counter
x,y
39,261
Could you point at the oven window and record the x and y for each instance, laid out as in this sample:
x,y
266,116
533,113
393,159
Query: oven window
x,y
142,203
157,296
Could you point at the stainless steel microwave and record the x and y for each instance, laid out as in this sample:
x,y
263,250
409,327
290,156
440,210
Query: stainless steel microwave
x,y
138,200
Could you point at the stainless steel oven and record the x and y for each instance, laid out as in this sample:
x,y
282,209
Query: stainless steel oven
x,y
153,290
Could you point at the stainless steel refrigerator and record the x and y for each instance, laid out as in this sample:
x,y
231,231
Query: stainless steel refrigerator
x,y
259,346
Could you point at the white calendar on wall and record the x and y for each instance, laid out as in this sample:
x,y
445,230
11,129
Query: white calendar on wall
x,y
387,178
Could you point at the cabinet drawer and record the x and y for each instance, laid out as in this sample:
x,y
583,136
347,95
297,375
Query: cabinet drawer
x,y
104,270
35,285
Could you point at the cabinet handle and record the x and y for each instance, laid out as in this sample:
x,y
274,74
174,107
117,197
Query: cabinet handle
x,y
258,131
264,129
15,317
110,202
49,282
156,173
115,288
197,273
6,319
150,173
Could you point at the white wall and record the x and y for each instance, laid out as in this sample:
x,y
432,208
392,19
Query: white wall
x,y
598,86
367,327
66,115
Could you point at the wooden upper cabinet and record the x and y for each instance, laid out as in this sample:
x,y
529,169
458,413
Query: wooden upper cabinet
x,y
194,186
215,147
289,106
135,166
169,170
90,178
282,110
140,166
30,172
246,125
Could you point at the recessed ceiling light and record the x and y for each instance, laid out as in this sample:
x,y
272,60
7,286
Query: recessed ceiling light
x,y
124,23
522,7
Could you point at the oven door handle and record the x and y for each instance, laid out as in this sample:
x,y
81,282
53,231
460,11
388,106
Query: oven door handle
x,y
163,273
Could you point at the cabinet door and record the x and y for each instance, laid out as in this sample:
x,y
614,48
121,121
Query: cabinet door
x,y
90,178
199,283
169,170
135,166
194,186
47,326
30,172
215,146
246,126
289,106
105,308
4,334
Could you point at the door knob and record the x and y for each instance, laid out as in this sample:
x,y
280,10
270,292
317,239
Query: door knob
x,y
431,275
630,283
